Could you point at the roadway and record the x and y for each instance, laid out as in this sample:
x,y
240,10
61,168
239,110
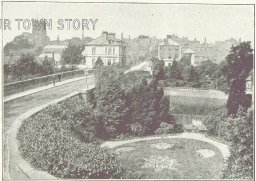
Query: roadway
x,y
14,108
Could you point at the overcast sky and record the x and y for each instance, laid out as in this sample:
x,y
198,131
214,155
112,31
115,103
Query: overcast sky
x,y
215,22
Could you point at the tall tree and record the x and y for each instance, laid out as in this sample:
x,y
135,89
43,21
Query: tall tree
x,y
25,66
158,68
98,63
175,71
239,64
111,109
72,54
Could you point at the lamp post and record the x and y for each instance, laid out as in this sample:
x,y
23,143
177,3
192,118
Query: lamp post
x,y
53,76
86,75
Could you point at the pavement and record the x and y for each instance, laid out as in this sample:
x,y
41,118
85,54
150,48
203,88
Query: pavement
x,y
17,104
39,89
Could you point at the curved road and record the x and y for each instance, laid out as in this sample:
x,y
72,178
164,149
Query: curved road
x,y
14,108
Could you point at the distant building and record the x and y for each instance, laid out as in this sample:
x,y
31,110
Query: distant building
x,y
169,50
52,50
106,47
190,54
40,38
249,83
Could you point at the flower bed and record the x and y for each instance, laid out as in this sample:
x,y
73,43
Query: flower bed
x,y
51,141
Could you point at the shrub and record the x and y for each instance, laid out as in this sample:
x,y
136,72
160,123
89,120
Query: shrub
x,y
49,141
239,133
214,121
240,163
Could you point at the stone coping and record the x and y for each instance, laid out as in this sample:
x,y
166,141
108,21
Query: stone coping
x,y
13,144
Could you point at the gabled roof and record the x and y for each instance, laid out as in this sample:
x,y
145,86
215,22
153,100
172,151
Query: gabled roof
x,y
189,51
54,48
103,41
169,42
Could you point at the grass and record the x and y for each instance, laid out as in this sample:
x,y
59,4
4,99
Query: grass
x,y
189,164
194,101
195,105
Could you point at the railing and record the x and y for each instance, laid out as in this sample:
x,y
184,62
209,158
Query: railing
x,y
21,86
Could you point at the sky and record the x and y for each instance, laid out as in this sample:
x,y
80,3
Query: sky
x,y
215,22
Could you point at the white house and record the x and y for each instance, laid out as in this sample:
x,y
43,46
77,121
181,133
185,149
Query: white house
x,y
169,50
106,47
49,50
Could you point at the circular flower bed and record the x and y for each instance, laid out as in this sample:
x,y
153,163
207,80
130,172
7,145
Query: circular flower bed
x,y
172,159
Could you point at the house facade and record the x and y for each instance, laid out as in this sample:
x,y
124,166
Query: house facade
x,y
107,48
169,50
52,51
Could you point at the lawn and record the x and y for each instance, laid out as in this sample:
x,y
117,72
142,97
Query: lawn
x,y
195,105
170,159
194,101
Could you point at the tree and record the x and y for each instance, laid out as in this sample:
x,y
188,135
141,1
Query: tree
x,y
239,64
207,68
25,66
186,60
174,71
189,74
240,162
98,63
158,68
72,54
48,67
111,109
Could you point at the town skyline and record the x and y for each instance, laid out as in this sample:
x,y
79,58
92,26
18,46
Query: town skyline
x,y
193,21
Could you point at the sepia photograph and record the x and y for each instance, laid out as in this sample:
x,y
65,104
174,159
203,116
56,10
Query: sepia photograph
x,y
128,90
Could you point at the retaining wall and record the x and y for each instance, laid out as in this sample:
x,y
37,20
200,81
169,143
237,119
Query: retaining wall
x,y
15,157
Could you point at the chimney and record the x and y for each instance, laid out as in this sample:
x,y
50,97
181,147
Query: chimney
x,y
122,36
104,34
82,33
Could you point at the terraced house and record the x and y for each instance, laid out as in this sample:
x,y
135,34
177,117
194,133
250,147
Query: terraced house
x,y
106,47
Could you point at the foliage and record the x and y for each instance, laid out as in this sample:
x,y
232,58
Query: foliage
x,y
136,109
72,54
48,66
158,68
189,74
173,72
98,63
20,42
240,163
214,121
57,140
239,64
148,107
25,66
111,110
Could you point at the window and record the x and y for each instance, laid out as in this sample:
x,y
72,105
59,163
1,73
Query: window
x,y
109,61
109,51
93,50
106,50
113,51
93,61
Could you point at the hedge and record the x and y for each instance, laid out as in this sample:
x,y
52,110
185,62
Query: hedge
x,y
238,132
57,139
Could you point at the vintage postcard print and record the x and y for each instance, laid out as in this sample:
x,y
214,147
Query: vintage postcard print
x,y
127,90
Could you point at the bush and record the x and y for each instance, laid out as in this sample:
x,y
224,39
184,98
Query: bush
x,y
240,162
49,141
239,133
214,121
166,128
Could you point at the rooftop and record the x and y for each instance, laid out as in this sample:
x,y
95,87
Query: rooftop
x,y
106,39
